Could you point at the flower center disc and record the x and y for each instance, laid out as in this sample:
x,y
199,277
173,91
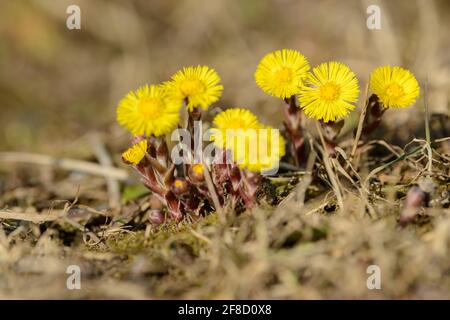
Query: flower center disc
x,y
329,91
150,108
179,183
198,168
237,124
284,75
192,87
394,91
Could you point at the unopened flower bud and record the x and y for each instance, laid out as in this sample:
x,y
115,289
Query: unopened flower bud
x,y
196,172
156,216
179,186
415,199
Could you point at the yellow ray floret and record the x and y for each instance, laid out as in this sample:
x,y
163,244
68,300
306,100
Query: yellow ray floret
x,y
198,86
261,152
282,72
135,153
395,86
232,119
329,92
148,111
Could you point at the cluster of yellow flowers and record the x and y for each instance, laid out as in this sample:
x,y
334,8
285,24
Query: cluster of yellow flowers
x,y
155,109
326,93
331,89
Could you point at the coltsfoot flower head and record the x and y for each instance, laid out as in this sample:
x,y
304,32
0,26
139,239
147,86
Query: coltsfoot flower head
x,y
262,152
180,186
282,72
197,172
395,86
148,111
135,153
232,119
198,86
253,146
330,90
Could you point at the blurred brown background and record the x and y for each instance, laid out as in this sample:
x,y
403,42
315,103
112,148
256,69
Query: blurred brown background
x,y
59,85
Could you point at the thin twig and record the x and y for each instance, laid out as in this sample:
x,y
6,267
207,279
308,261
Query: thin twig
x,y
402,157
362,190
442,139
31,217
99,149
64,163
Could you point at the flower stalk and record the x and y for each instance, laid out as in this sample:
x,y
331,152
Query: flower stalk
x,y
292,123
331,131
374,115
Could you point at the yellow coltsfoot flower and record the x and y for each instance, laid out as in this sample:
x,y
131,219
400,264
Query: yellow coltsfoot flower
x,y
135,153
262,152
197,172
148,111
198,86
282,72
252,146
395,86
232,119
329,92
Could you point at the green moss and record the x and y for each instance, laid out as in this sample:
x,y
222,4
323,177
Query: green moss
x,y
172,234
128,243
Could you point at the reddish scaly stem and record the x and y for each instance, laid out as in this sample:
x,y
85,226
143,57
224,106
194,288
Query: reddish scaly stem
x,y
374,115
292,123
149,179
193,116
331,131
249,187
174,206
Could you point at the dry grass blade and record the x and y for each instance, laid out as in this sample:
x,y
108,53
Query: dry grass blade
x,y
103,157
300,191
360,123
328,167
427,128
200,236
